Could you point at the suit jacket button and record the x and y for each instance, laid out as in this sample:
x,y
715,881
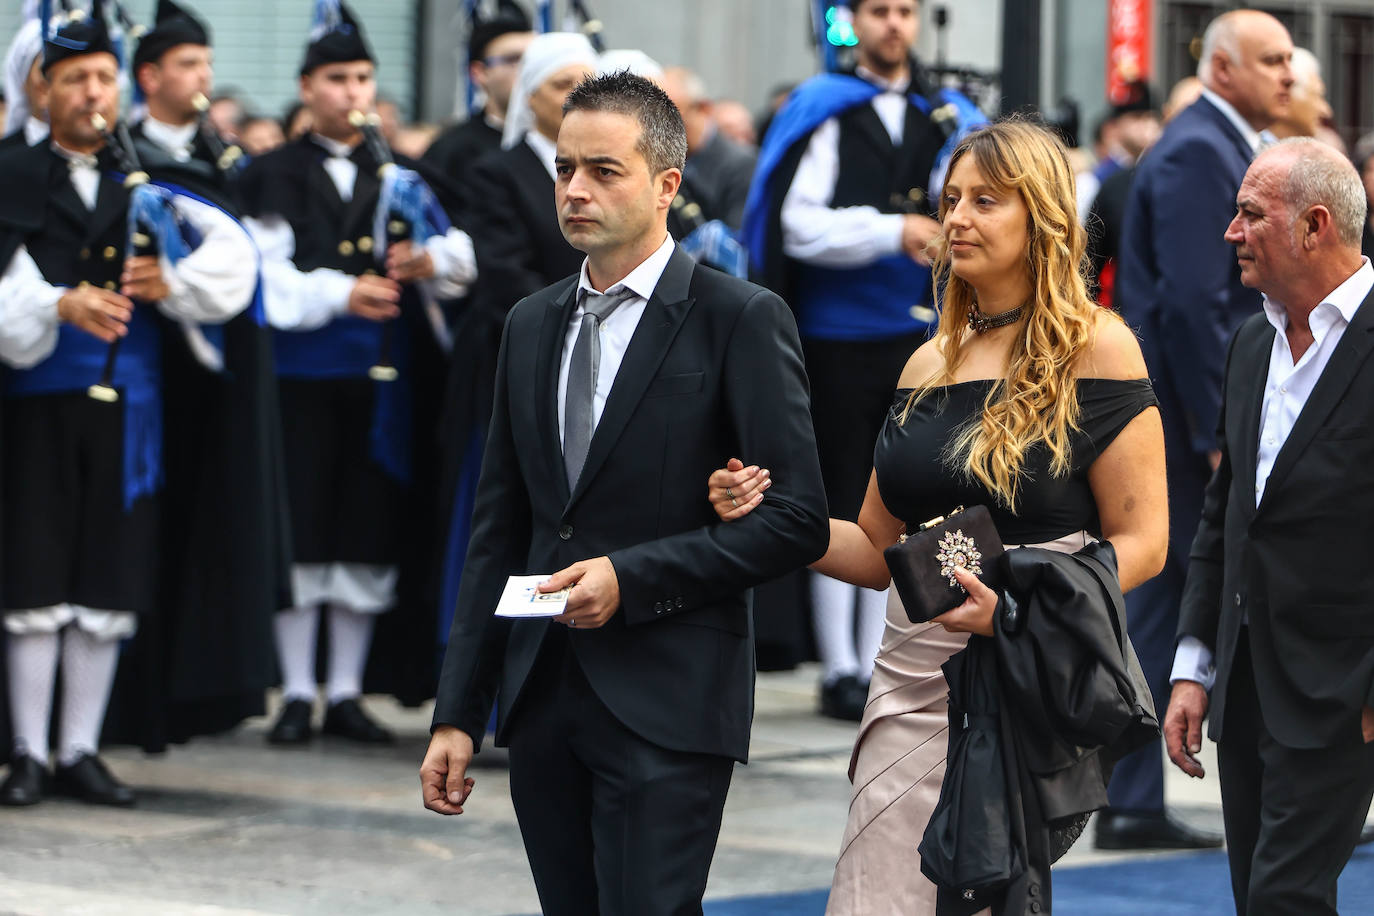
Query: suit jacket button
x,y
658,607
1238,599
566,532
1034,906
1033,890
679,602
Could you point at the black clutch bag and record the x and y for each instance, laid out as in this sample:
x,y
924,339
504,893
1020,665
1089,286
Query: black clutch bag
x,y
922,564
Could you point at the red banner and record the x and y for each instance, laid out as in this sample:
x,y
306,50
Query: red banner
x,y
1128,48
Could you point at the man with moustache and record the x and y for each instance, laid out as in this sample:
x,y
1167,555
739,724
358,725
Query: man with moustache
x,y
83,472
837,222
1279,584
616,389
357,510
227,464
1178,285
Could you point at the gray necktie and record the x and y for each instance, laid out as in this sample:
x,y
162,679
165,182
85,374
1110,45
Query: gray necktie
x,y
578,416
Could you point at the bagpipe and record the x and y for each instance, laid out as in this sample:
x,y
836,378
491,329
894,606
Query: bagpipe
x,y
407,211
152,228
229,158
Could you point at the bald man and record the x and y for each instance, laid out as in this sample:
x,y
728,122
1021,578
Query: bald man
x,y
1178,284
1279,589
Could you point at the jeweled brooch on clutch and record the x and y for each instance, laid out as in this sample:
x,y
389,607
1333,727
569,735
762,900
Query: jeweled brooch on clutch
x,y
958,550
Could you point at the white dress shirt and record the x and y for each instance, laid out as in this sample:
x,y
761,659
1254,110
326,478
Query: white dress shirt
x,y
616,329
816,233
1286,389
298,300
176,139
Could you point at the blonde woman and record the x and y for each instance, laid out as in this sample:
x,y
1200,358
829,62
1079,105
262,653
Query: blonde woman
x,y
1029,400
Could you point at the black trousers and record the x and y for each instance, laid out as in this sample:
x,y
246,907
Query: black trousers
x,y
67,535
344,507
1292,816
613,825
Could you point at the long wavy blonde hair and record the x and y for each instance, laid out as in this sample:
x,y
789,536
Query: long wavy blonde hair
x,y
1037,401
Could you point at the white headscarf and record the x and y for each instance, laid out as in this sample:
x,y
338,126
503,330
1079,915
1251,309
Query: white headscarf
x,y
27,45
545,56
637,62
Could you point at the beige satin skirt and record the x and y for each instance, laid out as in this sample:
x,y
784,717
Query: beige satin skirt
x,y
897,766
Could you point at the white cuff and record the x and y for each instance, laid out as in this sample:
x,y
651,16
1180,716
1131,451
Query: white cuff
x,y
455,264
1193,661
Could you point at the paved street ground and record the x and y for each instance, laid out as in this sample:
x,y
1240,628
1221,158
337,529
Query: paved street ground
x,y
231,826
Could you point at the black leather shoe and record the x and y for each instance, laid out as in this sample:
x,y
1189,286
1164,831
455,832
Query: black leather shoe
x,y
347,720
27,783
1150,830
844,698
293,725
88,780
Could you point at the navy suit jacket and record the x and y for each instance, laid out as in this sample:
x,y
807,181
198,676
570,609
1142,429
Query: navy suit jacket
x,y
1178,284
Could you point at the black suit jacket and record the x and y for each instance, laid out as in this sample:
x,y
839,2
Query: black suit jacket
x,y
1297,565
714,369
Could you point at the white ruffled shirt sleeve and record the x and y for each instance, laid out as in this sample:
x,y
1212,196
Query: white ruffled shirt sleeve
x,y
214,282
296,300
455,265
28,313
815,233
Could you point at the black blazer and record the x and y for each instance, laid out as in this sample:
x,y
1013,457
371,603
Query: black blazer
x,y
713,370
1297,565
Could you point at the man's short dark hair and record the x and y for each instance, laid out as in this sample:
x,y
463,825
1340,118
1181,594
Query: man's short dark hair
x,y
662,136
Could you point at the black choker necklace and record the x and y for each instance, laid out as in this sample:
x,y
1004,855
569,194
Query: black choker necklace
x,y
980,322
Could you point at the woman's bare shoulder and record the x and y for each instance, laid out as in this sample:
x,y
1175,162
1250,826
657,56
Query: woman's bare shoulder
x,y
925,364
1114,351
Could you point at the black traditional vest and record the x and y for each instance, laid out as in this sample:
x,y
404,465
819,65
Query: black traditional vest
x,y
889,297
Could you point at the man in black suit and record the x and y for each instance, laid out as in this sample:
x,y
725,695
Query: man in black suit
x,y
624,722
1279,585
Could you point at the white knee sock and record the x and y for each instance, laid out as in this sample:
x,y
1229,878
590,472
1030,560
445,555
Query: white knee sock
x,y
832,603
297,629
350,637
872,624
32,659
88,671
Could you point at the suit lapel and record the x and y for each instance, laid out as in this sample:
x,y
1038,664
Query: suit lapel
x,y
549,358
366,188
871,126
1350,354
1223,123
65,200
111,203
1255,356
663,316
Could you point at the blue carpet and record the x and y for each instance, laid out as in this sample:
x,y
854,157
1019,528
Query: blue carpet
x,y
1194,885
